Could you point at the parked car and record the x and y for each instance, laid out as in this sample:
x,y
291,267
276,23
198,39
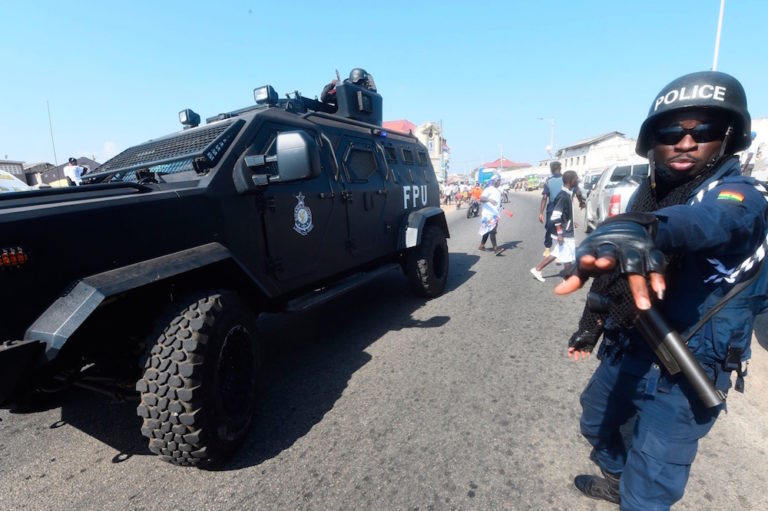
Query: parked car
x,y
590,180
10,183
610,195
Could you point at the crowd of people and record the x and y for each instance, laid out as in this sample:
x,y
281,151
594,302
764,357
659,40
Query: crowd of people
x,y
464,192
556,212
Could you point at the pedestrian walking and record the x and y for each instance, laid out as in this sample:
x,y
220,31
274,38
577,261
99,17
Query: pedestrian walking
x,y
561,220
548,193
695,230
489,220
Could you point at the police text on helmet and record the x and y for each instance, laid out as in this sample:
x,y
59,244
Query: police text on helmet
x,y
715,92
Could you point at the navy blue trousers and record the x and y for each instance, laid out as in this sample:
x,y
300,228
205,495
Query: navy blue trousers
x,y
670,420
548,227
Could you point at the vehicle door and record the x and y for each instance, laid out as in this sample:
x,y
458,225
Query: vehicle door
x,y
595,197
365,194
610,181
303,220
397,180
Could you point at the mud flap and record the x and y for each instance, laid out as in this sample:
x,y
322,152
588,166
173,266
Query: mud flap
x,y
17,358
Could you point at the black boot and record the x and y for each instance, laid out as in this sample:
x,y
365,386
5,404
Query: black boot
x,y
604,488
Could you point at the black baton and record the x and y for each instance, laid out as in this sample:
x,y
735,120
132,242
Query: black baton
x,y
676,356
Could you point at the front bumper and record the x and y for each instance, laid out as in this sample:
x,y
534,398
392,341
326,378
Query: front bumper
x,y
17,360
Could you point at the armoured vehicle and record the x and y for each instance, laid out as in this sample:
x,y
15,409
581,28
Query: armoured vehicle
x,y
154,271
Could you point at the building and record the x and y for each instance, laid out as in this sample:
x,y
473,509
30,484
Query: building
x,y
592,154
598,152
506,168
42,173
402,126
16,168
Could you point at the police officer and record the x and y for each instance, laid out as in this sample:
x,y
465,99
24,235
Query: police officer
x,y
357,76
695,230
362,78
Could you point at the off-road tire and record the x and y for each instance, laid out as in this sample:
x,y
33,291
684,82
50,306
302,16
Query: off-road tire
x,y
427,264
200,382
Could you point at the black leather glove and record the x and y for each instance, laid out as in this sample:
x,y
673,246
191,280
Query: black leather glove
x,y
585,340
627,238
590,329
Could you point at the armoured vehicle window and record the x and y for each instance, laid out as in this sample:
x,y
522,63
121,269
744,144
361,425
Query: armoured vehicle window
x,y
391,154
423,158
360,163
408,156
165,173
170,158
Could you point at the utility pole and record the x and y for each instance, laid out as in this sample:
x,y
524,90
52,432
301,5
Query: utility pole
x,y
717,39
50,126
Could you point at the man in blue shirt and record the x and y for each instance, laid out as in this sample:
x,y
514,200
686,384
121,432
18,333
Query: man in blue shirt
x,y
548,193
561,220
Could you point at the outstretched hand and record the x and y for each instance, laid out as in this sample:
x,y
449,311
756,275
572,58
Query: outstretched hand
x,y
636,283
626,242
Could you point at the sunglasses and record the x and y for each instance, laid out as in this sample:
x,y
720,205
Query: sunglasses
x,y
702,133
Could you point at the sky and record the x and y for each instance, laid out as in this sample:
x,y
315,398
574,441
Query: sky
x,y
497,74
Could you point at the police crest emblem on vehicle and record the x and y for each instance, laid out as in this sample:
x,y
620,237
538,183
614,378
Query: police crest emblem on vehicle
x,y
302,217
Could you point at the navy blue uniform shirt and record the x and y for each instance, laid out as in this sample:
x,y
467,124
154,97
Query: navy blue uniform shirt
x,y
721,226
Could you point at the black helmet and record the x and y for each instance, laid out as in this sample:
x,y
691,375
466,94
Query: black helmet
x,y
73,161
358,76
706,90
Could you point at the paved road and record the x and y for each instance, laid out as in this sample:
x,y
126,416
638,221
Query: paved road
x,y
384,401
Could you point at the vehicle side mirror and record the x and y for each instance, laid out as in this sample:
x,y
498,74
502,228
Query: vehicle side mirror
x,y
298,156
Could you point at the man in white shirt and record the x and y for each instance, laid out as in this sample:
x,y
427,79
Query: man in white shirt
x,y
73,172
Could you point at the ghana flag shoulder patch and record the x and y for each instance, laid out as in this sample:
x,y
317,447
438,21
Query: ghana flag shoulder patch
x,y
731,196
